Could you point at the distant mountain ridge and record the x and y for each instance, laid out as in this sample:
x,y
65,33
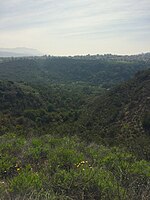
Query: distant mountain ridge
x,y
19,52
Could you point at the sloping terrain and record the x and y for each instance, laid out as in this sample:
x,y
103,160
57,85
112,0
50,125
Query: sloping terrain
x,y
17,100
51,167
69,70
16,97
122,114
26,106
42,158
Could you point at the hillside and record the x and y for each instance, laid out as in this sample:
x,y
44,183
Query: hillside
x,y
121,115
70,70
16,97
74,140
38,107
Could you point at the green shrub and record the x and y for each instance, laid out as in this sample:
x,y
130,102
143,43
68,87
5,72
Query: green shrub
x,y
25,181
37,151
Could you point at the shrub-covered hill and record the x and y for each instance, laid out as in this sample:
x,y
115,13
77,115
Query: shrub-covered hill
x,y
53,168
123,113
36,106
64,69
17,97
41,158
18,103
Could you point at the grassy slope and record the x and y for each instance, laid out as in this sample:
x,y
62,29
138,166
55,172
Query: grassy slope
x,y
51,167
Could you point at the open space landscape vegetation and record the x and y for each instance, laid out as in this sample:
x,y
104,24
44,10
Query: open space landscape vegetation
x,y
75,128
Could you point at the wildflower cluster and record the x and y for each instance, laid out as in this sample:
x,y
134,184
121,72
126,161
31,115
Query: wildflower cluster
x,y
83,164
17,167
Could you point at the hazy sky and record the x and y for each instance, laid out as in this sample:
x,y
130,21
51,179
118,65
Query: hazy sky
x,y
69,27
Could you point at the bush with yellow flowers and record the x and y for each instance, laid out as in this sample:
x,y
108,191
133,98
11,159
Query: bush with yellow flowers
x,y
50,167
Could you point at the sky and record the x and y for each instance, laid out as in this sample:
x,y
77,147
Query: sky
x,y
73,27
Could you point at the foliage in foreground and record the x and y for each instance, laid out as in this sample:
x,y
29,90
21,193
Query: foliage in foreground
x,y
49,167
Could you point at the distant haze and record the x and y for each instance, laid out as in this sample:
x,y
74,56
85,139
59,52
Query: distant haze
x,y
19,52
71,27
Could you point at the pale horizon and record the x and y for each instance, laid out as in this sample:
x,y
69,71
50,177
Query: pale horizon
x,y
75,27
